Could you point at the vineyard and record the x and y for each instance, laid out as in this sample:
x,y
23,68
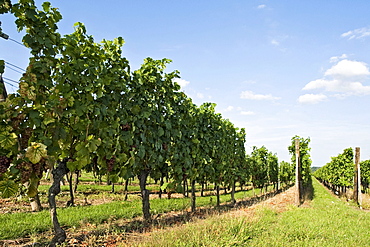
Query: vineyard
x,y
80,108
339,174
125,144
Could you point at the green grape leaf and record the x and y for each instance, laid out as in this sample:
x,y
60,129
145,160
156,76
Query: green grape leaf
x,y
8,188
7,140
160,132
136,109
114,178
46,6
82,150
32,187
165,186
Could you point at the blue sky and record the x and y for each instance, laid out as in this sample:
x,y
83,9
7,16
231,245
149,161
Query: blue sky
x,y
278,68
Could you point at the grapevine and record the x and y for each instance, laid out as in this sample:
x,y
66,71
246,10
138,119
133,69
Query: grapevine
x,y
26,169
84,104
110,164
126,127
339,172
4,164
24,138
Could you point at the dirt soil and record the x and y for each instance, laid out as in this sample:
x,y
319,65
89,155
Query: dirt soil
x,y
279,203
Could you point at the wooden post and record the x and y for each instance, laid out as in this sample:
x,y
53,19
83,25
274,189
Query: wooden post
x,y
357,180
297,174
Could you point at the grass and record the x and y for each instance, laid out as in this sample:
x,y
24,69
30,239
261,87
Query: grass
x,y
97,188
25,224
327,221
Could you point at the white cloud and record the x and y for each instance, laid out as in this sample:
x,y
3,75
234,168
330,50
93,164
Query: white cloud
x,y
229,108
347,68
340,96
181,82
344,77
335,59
311,98
357,33
253,96
261,6
200,96
247,113
275,42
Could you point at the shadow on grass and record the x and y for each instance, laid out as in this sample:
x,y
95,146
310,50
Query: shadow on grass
x,y
177,218
308,192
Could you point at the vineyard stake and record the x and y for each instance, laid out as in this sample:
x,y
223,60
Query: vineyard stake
x,y
297,174
357,179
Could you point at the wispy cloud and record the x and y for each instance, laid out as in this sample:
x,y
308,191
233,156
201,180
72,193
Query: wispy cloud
x,y
279,40
357,33
311,98
200,96
346,77
275,42
181,82
253,96
336,59
229,108
261,6
247,113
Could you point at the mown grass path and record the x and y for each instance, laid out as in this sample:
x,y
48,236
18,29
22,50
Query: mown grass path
x,y
325,221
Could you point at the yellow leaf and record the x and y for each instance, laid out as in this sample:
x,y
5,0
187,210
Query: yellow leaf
x,y
36,152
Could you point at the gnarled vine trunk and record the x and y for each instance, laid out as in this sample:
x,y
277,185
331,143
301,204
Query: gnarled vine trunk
x,y
58,173
71,201
193,197
233,201
217,195
161,182
77,180
202,190
145,195
126,189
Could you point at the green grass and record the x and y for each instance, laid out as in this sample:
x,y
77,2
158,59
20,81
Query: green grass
x,y
97,188
17,225
23,224
328,221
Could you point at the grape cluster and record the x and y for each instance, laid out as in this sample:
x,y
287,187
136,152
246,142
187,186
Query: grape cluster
x,y
110,163
132,147
4,164
16,121
27,168
26,134
125,127
39,167
164,146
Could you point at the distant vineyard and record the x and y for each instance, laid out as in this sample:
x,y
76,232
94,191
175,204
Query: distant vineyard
x,y
339,173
